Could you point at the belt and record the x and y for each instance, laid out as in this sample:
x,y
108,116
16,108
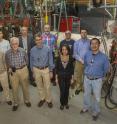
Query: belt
x,y
91,78
20,67
41,68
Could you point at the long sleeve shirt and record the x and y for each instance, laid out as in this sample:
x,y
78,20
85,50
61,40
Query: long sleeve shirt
x,y
96,65
70,43
41,57
16,59
4,45
49,40
81,47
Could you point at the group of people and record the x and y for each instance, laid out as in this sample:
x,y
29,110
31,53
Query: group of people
x,y
27,57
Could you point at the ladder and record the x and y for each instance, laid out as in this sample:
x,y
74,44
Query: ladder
x,y
63,6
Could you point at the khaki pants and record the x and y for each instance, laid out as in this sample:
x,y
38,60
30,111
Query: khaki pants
x,y
5,85
78,75
21,76
42,79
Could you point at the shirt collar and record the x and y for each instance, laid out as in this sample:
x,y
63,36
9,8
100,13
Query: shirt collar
x,y
18,50
39,47
96,53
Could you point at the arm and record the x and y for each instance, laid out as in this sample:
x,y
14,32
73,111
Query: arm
x,y
106,65
26,58
31,60
8,46
75,51
51,61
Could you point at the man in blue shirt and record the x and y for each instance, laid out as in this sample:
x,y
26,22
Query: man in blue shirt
x,y
81,47
41,62
96,65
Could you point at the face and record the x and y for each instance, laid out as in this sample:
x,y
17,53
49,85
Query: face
x,y
68,36
64,50
38,41
46,28
95,45
14,45
1,35
24,31
83,34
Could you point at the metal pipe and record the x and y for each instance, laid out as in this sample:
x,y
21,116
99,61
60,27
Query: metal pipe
x,y
109,13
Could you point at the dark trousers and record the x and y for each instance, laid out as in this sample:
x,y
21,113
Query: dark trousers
x,y
30,75
64,84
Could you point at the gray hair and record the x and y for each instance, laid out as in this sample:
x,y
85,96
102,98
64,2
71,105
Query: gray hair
x,y
14,39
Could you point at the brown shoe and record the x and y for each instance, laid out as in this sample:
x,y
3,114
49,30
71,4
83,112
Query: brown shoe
x,y
28,104
9,102
50,105
41,103
15,107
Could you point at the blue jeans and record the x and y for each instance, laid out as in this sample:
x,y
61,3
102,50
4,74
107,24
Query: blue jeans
x,y
92,100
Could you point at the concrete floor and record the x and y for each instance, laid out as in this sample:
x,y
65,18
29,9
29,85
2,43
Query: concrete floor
x,y
45,115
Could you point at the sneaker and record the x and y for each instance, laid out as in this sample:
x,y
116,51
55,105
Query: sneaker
x,y
41,103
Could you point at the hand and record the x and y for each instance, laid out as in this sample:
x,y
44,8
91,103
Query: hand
x,y
9,70
51,75
72,81
33,75
81,61
56,81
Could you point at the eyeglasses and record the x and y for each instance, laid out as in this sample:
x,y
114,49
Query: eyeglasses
x,y
39,39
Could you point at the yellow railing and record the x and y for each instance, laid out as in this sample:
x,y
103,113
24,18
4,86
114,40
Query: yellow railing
x,y
85,2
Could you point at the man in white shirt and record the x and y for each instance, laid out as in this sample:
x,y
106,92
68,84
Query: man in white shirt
x,y
4,46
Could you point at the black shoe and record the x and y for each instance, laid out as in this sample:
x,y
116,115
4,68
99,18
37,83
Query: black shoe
x,y
41,103
67,106
28,104
50,105
9,102
33,84
77,92
83,111
15,107
95,117
61,107
54,83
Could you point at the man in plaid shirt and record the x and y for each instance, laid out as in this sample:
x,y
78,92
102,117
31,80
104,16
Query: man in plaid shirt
x,y
16,59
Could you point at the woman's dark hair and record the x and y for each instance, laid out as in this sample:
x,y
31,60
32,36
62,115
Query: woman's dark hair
x,y
67,47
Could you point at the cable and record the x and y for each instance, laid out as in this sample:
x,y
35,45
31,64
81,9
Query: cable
x,y
108,98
